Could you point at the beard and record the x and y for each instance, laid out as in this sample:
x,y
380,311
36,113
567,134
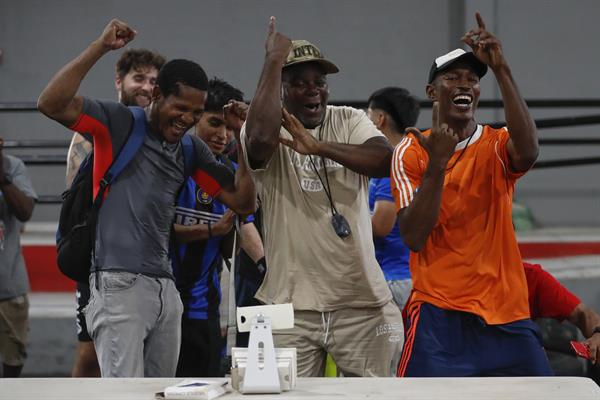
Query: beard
x,y
136,97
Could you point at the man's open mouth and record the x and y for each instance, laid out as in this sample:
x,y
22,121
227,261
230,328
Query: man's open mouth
x,y
313,107
179,127
463,101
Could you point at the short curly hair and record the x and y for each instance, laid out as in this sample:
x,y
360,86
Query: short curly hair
x,y
134,59
219,94
398,103
181,72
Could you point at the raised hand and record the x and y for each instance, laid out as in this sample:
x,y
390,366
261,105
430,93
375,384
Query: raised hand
x,y
277,44
440,144
235,113
303,142
116,35
486,47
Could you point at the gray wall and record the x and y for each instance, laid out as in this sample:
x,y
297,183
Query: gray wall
x,y
551,46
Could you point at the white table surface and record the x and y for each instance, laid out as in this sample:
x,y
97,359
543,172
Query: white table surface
x,y
546,388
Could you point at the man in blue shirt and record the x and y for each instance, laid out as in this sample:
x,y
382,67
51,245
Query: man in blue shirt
x,y
391,109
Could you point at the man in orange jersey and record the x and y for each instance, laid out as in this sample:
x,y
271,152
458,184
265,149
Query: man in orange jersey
x,y
453,187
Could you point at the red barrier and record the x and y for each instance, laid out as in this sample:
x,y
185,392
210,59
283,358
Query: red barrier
x,y
44,275
558,249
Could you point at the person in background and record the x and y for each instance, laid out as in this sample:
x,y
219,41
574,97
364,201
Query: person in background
x,y
392,110
17,199
548,298
203,232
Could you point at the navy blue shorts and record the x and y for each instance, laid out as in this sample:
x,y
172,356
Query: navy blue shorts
x,y
442,342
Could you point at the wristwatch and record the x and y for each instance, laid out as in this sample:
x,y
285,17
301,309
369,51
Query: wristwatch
x,y
5,181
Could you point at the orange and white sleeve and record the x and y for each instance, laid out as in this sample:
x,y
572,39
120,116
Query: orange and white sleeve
x,y
502,153
406,173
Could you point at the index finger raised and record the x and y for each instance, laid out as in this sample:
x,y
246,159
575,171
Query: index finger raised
x,y
271,29
479,19
435,116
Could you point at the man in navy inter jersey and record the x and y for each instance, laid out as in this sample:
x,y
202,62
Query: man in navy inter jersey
x,y
204,236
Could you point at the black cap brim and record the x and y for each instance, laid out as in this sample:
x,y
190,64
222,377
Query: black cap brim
x,y
470,58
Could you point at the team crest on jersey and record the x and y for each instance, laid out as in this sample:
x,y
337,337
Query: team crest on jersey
x,y
203,197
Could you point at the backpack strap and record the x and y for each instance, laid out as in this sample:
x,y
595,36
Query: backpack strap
x,y
186,196
130,148
189,150
134,142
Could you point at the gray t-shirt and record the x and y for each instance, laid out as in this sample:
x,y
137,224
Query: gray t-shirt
x,y
135,219
13,275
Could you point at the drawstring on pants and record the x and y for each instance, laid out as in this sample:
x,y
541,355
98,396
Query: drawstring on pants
x,y
326,326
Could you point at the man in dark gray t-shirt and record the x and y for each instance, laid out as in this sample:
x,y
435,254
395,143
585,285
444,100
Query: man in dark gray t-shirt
x,y
134,313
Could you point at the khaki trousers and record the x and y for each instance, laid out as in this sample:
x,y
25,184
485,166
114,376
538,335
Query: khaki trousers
x,y
14,324
361,341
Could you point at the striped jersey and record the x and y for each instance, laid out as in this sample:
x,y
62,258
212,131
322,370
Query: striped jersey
x,y
197,265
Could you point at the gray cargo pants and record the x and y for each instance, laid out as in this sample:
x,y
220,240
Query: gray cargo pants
x,y
135,323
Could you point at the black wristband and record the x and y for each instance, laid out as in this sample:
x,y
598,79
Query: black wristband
x,y
596,330
209,230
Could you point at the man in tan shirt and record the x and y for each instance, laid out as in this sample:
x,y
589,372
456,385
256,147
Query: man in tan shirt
x,y
312,177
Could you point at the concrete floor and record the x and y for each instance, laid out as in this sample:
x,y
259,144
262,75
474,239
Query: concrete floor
x,y
52,336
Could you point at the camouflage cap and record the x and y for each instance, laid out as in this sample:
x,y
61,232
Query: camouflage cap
x,y
304,51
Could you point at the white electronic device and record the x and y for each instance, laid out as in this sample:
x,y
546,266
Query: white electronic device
x,y
258,370
286,366
194,389
281,316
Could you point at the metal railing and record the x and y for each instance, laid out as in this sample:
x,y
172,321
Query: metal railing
x,y
532,103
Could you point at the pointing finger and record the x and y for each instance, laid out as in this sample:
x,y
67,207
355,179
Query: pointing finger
x,y
435,113
271,25
480,22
